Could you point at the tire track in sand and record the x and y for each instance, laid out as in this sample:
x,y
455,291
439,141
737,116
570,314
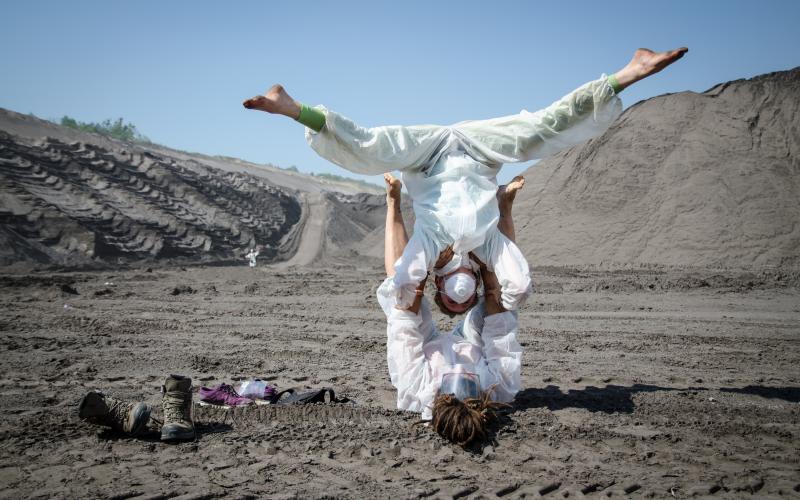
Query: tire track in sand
x,y
312,238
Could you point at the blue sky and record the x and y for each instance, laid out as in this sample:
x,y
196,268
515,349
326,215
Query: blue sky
x,y
179,70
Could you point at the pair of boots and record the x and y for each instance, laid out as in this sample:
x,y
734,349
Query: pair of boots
x,y
132,418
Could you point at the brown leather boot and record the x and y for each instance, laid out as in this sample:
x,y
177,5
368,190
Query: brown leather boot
x,y
176,403
99,409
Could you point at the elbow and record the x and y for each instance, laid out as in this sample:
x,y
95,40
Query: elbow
x,y
514,298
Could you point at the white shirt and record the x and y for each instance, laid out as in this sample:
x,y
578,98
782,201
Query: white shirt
x,y
450,172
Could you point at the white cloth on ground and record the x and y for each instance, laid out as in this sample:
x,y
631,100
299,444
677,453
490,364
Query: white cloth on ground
x,y
419,355
450,172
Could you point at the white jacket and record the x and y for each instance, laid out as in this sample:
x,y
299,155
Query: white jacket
x,y
419,355
450,172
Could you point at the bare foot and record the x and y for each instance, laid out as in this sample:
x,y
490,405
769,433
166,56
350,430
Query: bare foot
x,y
393,187
507,193
645,62
276,100
505,200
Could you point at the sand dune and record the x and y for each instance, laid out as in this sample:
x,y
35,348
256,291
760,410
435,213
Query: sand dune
x,y
684,179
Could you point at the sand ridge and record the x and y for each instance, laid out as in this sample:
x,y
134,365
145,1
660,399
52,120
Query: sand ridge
x,y
79,202
685,179
101,203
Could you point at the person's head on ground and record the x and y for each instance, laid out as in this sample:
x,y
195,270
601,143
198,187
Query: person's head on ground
x,y
464,421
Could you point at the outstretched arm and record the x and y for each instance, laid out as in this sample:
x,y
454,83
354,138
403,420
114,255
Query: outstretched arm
x,y
491,289
503,356
501,351
409,369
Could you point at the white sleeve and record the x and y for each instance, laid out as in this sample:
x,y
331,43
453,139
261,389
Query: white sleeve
x,y
504,257
419,255
373,151
584,113
409,369
503,356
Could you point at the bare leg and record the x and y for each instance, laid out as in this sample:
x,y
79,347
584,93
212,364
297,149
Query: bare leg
x,y
491,291
396,237
645,62
277,101
505,200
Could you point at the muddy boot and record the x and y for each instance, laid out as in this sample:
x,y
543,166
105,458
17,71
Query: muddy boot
x,y
100,409
177,406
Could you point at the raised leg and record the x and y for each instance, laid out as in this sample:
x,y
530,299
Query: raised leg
x,y
505,201
578,116
396,237
276,101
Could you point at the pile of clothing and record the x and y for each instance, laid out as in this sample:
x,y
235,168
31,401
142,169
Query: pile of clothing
x,y
250,392
133,417
258,392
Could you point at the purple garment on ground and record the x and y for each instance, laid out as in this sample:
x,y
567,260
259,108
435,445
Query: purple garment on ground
x,y
223,394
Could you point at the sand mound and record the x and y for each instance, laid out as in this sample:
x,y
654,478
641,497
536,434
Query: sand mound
x,y
74,199
75,203
684,179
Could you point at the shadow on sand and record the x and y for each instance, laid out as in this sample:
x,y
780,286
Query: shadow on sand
x,y
619,399
152,435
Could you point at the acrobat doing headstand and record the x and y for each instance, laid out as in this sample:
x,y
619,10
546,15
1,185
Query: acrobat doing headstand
x,y
450,172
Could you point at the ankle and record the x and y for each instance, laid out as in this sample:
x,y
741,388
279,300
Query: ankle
x,y
294,110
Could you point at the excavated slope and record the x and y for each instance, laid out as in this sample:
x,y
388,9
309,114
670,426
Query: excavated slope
x,y
73,199
71,204
687,179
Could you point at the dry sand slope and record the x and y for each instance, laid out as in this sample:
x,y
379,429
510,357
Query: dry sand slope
x,y
98,202
685,179
93,203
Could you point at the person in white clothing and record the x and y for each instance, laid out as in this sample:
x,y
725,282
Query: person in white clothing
x,y
252,255
455,379
451,174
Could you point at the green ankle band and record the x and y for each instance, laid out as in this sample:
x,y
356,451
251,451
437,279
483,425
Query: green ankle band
x,y
612,80
311,118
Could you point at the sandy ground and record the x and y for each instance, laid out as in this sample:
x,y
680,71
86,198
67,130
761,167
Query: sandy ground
x,y
639,384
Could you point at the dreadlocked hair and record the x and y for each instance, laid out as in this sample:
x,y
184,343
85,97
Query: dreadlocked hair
x,y
464,422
